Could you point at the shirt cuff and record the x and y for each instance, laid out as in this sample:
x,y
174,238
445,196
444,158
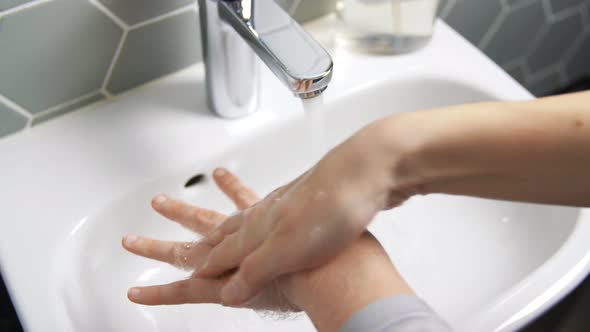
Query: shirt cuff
x,y
400,313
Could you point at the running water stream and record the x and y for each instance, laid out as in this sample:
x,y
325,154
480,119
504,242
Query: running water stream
x,y
314,126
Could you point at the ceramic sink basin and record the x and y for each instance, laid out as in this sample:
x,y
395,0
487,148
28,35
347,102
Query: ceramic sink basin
x,y
80,182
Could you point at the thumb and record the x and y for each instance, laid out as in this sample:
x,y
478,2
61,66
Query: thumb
x,y
256,271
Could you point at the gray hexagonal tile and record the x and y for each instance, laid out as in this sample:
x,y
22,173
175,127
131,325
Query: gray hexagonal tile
x,y
285,4
558,38
310,9
517,72
579,65
7,4
157,49
135,11
10,121
40,118
445,7
516,3
516,32
55,52
559,5
473,18
545,85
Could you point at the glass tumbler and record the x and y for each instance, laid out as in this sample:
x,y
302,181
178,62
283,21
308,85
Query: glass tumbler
x,y
385,26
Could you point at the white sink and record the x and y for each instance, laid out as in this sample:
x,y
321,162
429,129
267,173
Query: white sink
x,y
77,184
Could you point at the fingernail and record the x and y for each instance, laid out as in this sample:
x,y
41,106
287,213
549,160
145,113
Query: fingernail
x,y
160,199
134,292
130,239
219,172
233,292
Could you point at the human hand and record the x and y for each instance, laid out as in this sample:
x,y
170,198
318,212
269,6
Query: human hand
x,y
309,221
329,294
193,254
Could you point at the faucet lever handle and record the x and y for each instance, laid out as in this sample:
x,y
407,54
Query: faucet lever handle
x,y
298,60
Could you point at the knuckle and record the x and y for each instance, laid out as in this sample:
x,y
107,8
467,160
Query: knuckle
x,y
234,241
241,194
227,227
215,262
181,291
235,188
192,213
214,237
245,241
208,214
249,271
172,208
226,230
201,214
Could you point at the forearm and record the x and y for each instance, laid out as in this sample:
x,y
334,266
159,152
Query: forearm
x,y
331,294
535,151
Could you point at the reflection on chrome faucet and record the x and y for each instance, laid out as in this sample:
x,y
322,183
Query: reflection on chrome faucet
x,y
234,32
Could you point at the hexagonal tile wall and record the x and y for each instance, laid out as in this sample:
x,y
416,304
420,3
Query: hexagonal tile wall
x,y
127,10
64,61
59,57
8,4
10,121
481,16
517,27
578,65
540,42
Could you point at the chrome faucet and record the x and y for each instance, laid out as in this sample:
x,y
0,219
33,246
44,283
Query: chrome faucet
x,y
233,32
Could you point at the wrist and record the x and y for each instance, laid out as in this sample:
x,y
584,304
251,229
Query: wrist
x,y
434,145
457,142
393,147
332,293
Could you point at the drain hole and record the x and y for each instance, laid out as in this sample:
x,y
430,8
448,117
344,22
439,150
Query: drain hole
x,y
194,180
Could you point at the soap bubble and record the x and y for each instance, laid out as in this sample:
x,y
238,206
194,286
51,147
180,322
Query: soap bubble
x,y
183,259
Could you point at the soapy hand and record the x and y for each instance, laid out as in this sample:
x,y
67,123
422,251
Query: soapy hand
x,y
305,223
193,254
328,294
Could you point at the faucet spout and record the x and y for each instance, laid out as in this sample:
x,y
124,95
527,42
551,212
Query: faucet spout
x,y
264,29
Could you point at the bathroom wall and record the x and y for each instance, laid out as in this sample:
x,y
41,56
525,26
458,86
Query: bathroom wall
x,y
58,55
543,44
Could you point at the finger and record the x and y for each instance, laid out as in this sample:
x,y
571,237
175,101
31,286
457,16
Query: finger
x,y
230,226
194,218
256,271
179,254
227,255
241,195
179,292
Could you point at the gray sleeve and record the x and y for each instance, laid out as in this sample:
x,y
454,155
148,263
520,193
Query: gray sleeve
x,y
401,313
